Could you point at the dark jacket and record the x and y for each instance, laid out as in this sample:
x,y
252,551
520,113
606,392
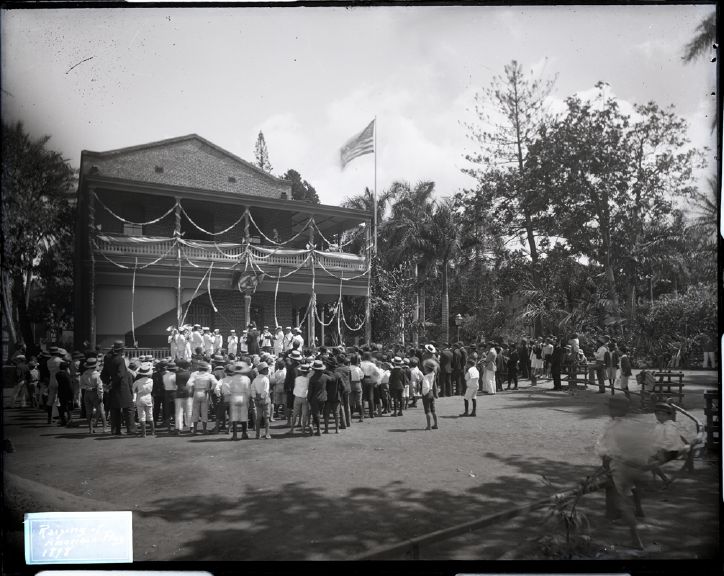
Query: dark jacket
x,y
397,379
116,373
252,342
344,374
457,360
318,386
446,358
334,387
65,390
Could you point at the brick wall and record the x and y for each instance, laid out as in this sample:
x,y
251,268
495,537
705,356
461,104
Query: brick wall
x,y
189,162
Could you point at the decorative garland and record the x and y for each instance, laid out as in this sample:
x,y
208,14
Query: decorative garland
x,y
341,244
156,261
208,288
206,231
112,213
323,267
258,229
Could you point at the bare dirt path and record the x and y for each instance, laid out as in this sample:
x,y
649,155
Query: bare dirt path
x,y
336,496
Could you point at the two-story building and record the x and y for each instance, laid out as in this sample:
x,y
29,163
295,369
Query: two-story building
x,y
182,231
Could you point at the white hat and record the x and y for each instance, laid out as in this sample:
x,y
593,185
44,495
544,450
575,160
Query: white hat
x,y
232,331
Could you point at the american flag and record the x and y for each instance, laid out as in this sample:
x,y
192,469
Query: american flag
x,y
362,143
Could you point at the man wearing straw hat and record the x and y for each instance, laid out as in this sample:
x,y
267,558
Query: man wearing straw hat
x,y
278,342
317,394
239,394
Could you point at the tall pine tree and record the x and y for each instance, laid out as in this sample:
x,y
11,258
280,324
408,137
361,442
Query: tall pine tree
x,y
262,154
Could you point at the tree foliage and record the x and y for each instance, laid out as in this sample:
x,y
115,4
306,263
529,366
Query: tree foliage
x,y
301,189
261,154
37,220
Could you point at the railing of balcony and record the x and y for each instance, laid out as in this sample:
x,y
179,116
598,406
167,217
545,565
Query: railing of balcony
x,y
199,250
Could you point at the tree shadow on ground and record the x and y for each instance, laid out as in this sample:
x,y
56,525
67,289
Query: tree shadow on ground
x,y
302,521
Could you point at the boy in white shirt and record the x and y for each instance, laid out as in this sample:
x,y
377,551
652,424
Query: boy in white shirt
x,y
262,398
471,387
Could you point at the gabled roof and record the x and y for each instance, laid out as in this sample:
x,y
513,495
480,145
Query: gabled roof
x,y
179,139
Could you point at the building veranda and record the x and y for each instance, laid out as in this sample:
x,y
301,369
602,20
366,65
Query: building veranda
x,y
182,231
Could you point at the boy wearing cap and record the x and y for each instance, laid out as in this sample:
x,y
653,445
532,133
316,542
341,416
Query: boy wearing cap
x,y
222,391
92,387
396,383
143,397
262,399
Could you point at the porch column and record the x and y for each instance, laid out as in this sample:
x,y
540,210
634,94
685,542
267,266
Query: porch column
x,y
92,279
247,309
321,336
177,235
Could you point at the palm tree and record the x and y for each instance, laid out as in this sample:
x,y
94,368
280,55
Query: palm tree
x,y
411,210
440,238
366,202
704,39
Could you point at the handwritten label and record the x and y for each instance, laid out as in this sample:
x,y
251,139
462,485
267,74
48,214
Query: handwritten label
x,y
78,537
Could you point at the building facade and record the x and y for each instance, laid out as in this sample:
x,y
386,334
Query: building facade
x,y
182,231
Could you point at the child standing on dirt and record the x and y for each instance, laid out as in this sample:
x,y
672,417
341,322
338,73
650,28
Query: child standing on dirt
x,y
429,393
668,441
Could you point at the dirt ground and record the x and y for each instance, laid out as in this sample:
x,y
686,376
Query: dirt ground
x,y
334,497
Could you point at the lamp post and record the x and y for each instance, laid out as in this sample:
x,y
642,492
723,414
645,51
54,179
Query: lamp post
x,y
458,321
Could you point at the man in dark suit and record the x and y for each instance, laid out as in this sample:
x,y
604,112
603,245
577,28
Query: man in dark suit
x,y
523,358
458,367
120,398
446,360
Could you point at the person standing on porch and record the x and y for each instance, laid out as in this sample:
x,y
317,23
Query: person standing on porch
x,y
298,339
266,340
252,340
208,340
218,341
196,339
278,342
232,343
287,340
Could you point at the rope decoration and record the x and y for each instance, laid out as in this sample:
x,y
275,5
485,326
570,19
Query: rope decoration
x,y
258,229
117,217
183,211
251,256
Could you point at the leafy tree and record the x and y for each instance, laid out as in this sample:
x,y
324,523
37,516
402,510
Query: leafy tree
x,y
261,154
36,217
608,176
301,189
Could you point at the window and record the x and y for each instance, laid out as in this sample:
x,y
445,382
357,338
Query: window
x,y
232,179
158,169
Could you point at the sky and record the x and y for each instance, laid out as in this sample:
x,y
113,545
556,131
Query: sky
x,y
312,77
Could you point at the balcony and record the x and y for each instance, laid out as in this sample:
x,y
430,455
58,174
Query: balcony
x,y
125,249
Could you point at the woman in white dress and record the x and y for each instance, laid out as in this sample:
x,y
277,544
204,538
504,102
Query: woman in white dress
x,y
489,372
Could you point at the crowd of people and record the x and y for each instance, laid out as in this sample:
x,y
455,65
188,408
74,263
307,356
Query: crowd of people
x,y
264,377
246,382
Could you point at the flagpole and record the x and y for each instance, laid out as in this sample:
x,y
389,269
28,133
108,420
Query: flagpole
x,y
374,202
